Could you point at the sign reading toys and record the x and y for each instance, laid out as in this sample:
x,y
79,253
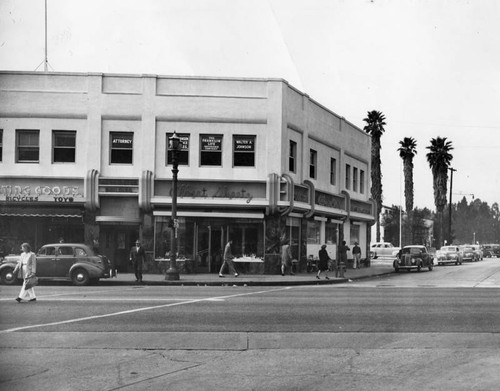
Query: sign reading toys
x,y
211,143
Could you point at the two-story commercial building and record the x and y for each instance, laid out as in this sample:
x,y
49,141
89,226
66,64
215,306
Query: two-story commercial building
x,y
85,157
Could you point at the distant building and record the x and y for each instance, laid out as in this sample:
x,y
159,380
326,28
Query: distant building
x,y
85,157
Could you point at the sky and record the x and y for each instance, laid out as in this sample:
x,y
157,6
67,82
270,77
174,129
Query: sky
x,y
431,66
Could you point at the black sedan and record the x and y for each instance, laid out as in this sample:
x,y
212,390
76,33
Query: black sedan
x,y
74,261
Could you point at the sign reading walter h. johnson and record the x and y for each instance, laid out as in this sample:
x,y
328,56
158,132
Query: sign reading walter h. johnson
x,y
36,193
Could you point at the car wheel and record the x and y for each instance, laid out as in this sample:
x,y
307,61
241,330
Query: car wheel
x,y
80,277
419,267
7,277
396,268
431,267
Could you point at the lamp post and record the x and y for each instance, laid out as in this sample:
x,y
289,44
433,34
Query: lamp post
x,y
449,208
174,145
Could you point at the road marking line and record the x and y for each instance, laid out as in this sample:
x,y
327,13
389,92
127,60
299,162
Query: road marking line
x,y
139,310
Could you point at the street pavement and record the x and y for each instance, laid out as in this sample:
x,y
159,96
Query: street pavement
x,y
377,268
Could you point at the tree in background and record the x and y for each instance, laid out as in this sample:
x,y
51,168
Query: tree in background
x,y
439,159
375,122
417,230
407,151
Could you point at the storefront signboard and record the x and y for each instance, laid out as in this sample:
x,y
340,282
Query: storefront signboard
x,y
361,207
330,200
23,191
244,143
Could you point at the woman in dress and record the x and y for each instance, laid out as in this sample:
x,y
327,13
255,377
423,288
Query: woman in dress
x,y
26,267
323,262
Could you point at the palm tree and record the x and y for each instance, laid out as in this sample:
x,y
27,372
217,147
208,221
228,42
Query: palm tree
x,y
407,151
439,159
375,122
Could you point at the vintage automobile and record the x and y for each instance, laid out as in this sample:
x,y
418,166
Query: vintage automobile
x,y
449,254
383,249
413,257
491,250
478,250
74,261
468,254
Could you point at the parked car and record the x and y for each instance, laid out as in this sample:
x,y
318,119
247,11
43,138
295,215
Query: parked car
x,y
491,250
449,254
468,253
413,257
74,261
478,250
383,249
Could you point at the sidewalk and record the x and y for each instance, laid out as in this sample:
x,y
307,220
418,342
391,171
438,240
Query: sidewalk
x,y
376,269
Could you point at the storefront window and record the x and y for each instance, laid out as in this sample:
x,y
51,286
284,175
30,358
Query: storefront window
x,y
244,151
331,233
313,232
211,150
183,154
354,233
121,147
28,146
64,150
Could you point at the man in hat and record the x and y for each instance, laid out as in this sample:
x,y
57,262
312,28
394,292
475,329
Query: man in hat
x,y
137,257
356,253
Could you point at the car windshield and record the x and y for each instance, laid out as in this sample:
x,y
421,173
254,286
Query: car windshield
x,y
412,250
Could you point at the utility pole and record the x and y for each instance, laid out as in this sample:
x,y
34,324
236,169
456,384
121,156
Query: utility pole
x,y
449,210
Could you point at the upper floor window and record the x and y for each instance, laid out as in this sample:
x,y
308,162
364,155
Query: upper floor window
x,y
122,144
28,146
244,151
348,176
183,154
333,171
313,157
292,156
211,150
361,181
64,146
1,144
355,179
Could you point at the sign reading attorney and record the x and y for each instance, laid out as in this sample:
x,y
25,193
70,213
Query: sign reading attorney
x,y
211,143
122,140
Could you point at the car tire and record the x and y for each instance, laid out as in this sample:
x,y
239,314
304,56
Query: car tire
x,y
7,277
431,266
80,277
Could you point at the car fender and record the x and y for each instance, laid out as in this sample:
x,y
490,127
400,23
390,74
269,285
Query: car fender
x,y
93,270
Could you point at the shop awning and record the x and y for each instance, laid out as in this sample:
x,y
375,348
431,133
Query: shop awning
x,y
233,215
41,211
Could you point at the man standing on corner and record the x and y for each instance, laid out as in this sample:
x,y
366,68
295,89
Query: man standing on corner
x,y
228,260
138,257
356,253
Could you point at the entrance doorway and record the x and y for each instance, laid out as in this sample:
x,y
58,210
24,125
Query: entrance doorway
x,y
209,248
115,242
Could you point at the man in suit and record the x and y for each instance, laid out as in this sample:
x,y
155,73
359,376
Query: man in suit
x,y
138,257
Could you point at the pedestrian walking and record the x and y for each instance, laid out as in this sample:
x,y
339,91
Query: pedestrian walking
x,y
323,262
343,249
26,268
228,260
356,253
138,257
286,258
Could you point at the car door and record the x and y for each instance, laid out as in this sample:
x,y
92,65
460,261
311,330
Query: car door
x,y
65,258
45,259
